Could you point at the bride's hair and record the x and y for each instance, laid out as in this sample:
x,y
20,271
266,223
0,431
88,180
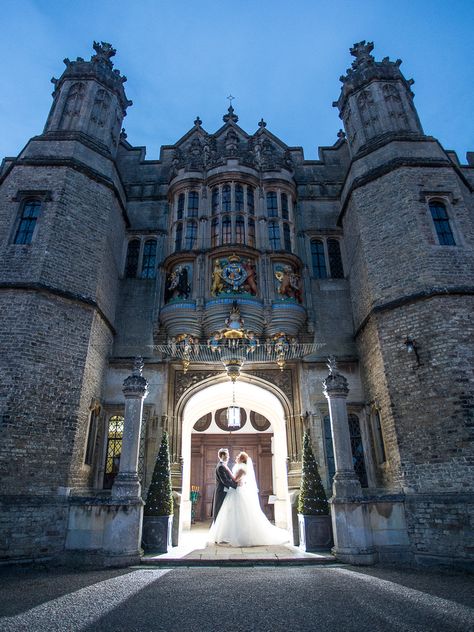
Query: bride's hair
x,y
242,458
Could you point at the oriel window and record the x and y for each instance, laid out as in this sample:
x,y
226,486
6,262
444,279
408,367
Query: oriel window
x,y
180,206
250,200
251,232
226,199
274,235
215,200
178,238
191,235
214,232
287,237
29,217
239,198
226,230
193,204
284,206
149,259
272,204
240,229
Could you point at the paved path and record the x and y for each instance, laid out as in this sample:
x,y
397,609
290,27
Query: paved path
x,y
269,599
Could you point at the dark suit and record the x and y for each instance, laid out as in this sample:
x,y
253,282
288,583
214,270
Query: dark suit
x,y
223,479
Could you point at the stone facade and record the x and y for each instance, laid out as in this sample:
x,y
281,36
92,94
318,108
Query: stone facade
x,y
363,254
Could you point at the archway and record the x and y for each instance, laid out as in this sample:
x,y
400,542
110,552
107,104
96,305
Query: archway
x,y
252,397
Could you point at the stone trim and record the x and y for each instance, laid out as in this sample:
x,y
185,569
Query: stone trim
x,y
414,298
71,296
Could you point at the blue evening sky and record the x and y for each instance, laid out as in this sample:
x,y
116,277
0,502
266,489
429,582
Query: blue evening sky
x,y
280,59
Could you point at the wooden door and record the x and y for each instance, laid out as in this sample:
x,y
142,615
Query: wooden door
x,y
204,448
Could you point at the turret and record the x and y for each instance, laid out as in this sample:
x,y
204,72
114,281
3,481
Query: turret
x,y
89,98
375,99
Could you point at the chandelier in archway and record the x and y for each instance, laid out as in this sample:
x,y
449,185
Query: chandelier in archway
x,y
233,345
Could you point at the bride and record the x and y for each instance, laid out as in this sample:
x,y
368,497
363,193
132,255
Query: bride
x,y
240,521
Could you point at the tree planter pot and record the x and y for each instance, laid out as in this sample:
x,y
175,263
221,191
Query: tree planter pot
x,y
315,532
157,531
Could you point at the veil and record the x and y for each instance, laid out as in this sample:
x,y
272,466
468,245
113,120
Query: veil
x,y
251,480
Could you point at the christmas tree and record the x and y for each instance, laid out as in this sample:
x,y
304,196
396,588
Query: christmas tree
x,y
312,500
159,501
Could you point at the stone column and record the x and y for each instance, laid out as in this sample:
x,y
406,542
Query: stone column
x,y
350,520
135,389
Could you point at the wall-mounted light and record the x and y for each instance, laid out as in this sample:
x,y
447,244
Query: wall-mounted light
x,y
412,347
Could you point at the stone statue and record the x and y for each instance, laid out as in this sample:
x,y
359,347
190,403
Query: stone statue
x,y
217,284
289,283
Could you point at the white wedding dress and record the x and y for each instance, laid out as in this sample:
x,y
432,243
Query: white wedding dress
x,y
240,521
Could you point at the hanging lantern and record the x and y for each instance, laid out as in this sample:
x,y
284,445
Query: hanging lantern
x,y
233,417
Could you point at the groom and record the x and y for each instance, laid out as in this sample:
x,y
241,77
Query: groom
x,y
224,480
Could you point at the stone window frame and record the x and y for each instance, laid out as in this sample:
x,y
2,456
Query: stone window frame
x,y
447,200
242,209
377,436
91,455
325,239
283,216
22,198
142,239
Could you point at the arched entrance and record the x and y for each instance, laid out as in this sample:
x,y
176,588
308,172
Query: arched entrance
x,y
250,396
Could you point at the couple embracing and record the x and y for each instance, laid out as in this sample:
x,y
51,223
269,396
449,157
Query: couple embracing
x,y
238,518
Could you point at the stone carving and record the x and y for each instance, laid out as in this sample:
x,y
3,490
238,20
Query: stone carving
x,y
233,276
177,283
183,381
103,53
282,379
231,143
335,383
230,116
135,385
100,108
73,105
288,282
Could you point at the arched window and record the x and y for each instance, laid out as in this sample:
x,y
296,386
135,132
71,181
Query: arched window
x,y
178,237
214,232
272,205
239,198
318,259
441,223
378,437
287,237
226,200
226,230
251,232
284,206
250,200
180,211
193,203
191,235
131,265
357,449
149,259
215,200
330,462
240,229
114,450
335,260
29,217
274,235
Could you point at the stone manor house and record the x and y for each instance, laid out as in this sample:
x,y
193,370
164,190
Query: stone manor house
x,y
233,256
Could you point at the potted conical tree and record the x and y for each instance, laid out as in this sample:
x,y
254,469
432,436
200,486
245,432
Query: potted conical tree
x,y
314,521
158,511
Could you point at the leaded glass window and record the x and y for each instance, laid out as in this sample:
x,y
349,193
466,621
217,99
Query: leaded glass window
x,y
131,264
330,461
250,200
215,200
335,260
214,232
29,217
284,206
357,449
287,237
114,450
239,198
251,231
318,259
193,204
226,199
180,206
178,237
191,235
442,225
226,230
274,235
149,259
240,229
272,205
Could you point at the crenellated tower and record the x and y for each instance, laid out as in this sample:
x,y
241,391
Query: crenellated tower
x,y
89,99
375,99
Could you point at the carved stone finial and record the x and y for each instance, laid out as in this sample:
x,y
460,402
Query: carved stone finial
x,y
197,122
262,123
341,134
335,384
138,366
135,385
123,134
361,51
230,116
104,51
